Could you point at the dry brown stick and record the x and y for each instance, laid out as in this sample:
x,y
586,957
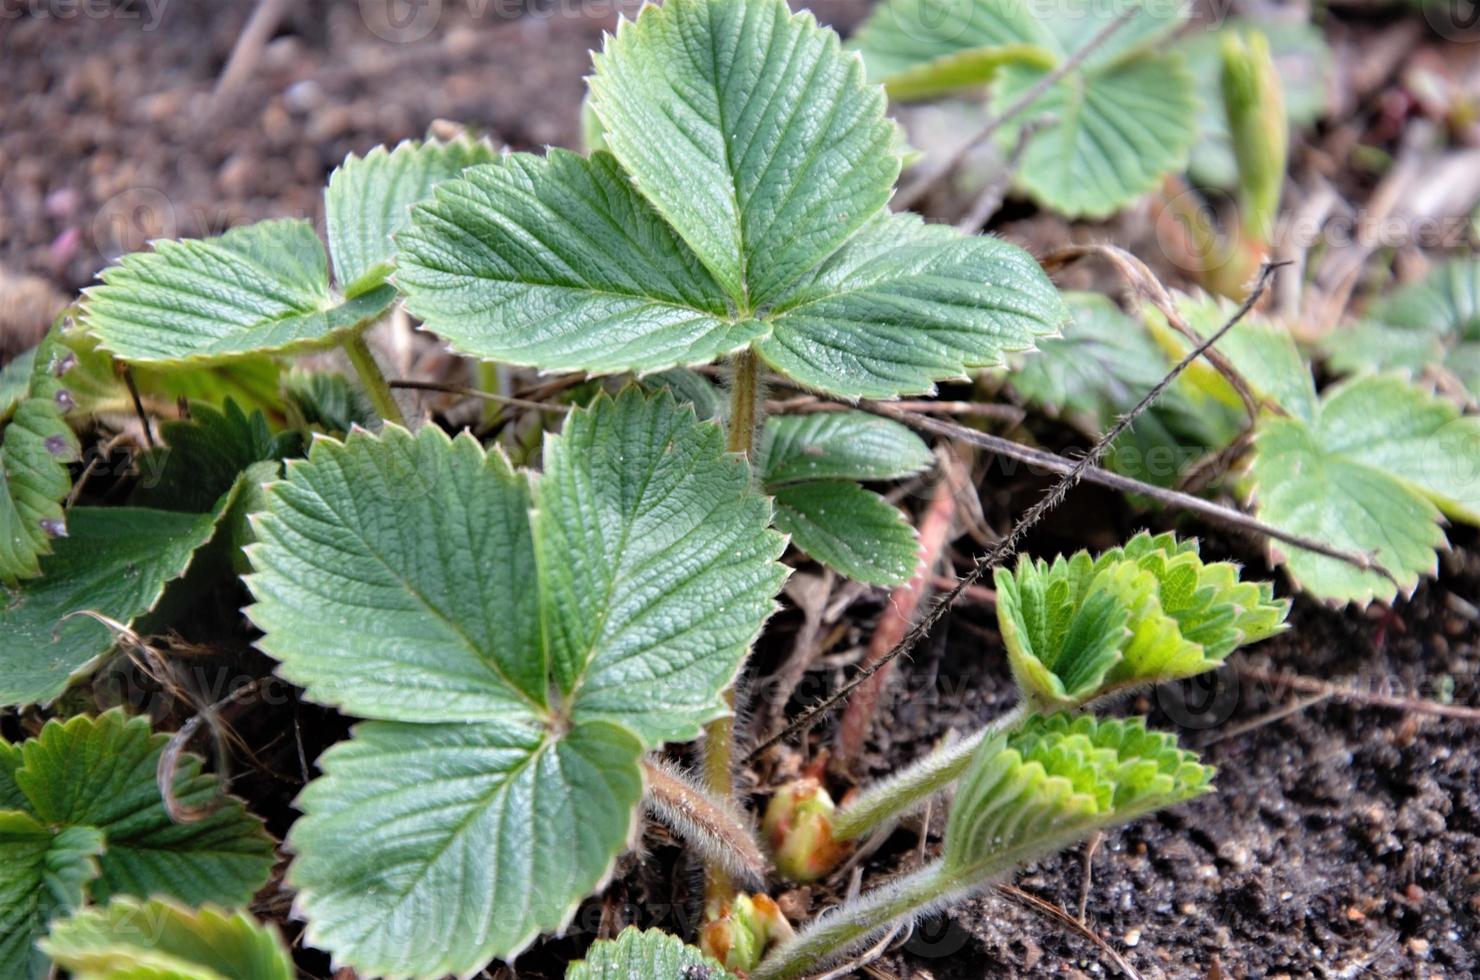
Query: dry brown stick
x,y
164,770
1218,513
919,187
1341,692
803,404
466,392
248,49
1053,911
1148,287
1009,542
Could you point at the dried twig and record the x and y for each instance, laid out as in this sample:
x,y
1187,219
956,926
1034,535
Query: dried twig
x,y
466,392
1341,692
164,771
933,175
1056,913
989,200
1034,514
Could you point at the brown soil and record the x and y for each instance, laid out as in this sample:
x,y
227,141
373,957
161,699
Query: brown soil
x,y
1343,840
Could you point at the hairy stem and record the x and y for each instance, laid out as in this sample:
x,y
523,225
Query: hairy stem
x,y
746,406
901,793
708,824
844,927
375,384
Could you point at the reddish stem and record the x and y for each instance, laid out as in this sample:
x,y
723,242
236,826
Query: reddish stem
x,y
894,622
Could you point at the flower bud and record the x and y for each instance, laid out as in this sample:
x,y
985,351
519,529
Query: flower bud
x,y
1254,100
799,827
739,934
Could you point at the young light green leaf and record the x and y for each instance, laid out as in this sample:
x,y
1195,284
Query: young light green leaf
x,y
1058,778
517,649
1152,611
203,456
35,447
853,530
904,304
43,874
115,562
558,262
1371,472
369,199
912,38
130,939
1432,323
645,954
963,70
838,446
259,288
1304,63
750,131
102,773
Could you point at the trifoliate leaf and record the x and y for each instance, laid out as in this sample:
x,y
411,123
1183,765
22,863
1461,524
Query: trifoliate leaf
x,y
1433,323
35,447
369,199
102,773
1152,611
913,39
651,954
752,133
850,529
1058,778
519,643
904,304
160,940
1371,472
43,874
838,446
116,562
559,263
203,455
259,288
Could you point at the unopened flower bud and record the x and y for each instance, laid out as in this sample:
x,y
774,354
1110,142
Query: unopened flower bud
x,y
799,827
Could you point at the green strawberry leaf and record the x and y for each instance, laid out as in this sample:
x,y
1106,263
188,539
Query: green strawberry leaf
x,y
203,456
1056,779
133,940
1433,323
472,838
43,874
1120,128
1120,121
15,381
369,199
517,644
850,529
328,401
838,446
102,773
559,263
1372,472
752,133
1152,611
255,289
116,562
904,304
650,954
35,447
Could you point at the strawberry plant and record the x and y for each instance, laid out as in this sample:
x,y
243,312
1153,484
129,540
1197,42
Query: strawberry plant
x,y
514,618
